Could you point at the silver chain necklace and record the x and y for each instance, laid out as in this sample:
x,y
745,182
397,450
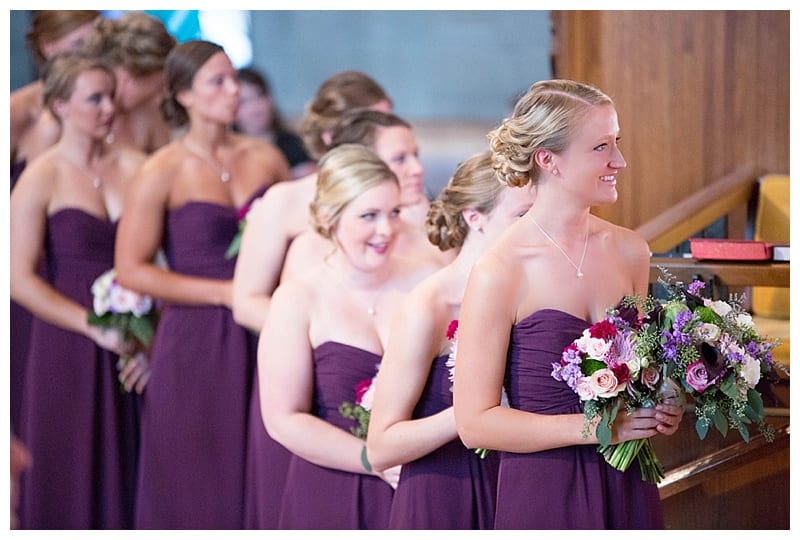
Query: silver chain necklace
x,y
583,256
225,175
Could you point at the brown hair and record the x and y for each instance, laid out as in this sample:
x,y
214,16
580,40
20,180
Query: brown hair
x,y
136,41
61,73
361,125
339,94
474,185
48,26
182,63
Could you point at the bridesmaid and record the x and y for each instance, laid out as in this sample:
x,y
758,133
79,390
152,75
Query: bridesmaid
x,y
77,425
325,332
545,280
443,485
272,224
194,417
33,130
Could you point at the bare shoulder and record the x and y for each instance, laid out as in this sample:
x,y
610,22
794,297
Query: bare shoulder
x,y
626,242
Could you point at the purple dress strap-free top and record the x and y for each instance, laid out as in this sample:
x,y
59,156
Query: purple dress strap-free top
x,y
452,487
563,488
318,497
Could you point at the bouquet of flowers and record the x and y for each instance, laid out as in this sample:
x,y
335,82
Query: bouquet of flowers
x,y
452,335
130,313
713,350
360,410
610,366
236,243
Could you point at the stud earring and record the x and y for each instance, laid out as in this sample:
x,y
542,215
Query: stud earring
x,y
555,171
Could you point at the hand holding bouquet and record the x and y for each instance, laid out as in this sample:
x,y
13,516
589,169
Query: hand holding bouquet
x,y
130,314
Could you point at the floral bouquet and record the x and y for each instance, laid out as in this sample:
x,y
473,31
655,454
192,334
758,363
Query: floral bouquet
x,y
236,243
713,350
130,313
452,335
609,367
360,410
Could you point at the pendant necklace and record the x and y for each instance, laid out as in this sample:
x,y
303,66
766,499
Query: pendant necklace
x,y
97,180
225,175
585,245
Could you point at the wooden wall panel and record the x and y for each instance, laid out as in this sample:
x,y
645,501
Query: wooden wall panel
x,y
698,93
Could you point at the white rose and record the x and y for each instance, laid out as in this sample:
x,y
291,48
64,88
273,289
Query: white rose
x,y
718,306
368,398
751,371
708,332
586,390
745,320
597,348
122,300
101,303
143,305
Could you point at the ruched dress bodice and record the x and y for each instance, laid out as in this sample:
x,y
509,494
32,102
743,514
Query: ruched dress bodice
x,y
318,497
570,487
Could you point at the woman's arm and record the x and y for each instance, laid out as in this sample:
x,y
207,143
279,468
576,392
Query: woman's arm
x,y
415,340
139,238
487,315
28,220
286,384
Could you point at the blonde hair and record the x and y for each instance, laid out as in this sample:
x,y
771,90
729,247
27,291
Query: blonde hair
x,y
345,172
339,94
136,41
62,72
545,118
474,185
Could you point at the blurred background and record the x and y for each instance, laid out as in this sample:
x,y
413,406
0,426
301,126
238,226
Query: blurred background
x,y
453,74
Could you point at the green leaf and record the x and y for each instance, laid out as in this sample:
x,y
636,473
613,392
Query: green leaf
x,y
721,423
745,433
233,248
701,428
708,315
603,431
729,388
754,400
141,329
590,365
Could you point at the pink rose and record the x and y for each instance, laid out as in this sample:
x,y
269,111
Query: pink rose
x,y
697,376
650,377
605,383
365,391
585,389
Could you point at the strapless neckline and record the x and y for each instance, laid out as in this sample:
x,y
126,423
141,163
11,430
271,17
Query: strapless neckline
x,y
331,343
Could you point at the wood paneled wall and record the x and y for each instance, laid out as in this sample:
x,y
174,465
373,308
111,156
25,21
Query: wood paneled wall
x,y
698,94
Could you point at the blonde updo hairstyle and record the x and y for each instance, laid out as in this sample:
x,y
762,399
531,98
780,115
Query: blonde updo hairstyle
x,y
345,172
473,185
136,41
61,73
339,94
182,64
545,118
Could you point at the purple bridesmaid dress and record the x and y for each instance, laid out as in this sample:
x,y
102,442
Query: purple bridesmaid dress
x,y
452,487
563,488
318,497
80,428
194,417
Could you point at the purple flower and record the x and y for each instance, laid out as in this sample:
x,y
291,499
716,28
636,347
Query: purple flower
x,y
696,286
697,376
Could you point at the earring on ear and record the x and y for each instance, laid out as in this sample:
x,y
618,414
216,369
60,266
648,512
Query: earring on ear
x,y
555,171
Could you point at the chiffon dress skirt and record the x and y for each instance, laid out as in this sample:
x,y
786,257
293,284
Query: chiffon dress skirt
x,y
452,487
571,487
80,427
318,497
194,417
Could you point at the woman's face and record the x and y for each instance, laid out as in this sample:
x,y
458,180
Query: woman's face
x,y
368,225
512,204
590,164
90,108
71,41
397,147
254,114
215,91
134,91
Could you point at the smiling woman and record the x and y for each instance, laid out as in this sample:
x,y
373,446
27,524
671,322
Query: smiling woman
x,y
325,332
